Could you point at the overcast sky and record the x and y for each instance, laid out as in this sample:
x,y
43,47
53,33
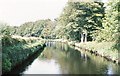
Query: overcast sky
x,y
16,12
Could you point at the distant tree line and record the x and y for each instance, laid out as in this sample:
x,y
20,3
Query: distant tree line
x,y
40,28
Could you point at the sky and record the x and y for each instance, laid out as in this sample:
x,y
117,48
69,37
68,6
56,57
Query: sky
x,y
17,12
105,1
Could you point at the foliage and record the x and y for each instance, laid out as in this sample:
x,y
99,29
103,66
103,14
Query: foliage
x,y
24,29
40,28
80,17
111,28
47,31
5,29
34,28
14,51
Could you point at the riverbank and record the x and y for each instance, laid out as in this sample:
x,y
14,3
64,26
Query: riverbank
x,y
102,49
16,50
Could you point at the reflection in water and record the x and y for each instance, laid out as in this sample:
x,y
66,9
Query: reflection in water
x,y
50,67
59,58
110,70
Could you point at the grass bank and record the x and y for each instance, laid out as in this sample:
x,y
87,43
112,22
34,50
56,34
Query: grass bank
x,y
103,49
15,50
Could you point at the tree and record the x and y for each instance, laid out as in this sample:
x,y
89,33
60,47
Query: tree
x,y
81,18
32,28
5,29
47,31
111,28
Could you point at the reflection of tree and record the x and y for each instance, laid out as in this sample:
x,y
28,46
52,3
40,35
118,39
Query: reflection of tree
x,y
47,53
75,62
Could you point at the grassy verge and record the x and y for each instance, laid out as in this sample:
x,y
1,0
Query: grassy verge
x,y
104,49
14,51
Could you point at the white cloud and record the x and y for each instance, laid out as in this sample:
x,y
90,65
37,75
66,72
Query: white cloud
x,y
16,12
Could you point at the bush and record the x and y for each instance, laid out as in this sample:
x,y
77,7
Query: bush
x,y
16,50
6,64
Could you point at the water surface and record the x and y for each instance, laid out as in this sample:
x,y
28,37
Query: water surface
x,y
59,58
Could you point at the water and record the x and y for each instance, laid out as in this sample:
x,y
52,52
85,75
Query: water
x,y
59,58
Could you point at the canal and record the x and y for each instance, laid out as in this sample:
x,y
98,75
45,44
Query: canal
x,y
59,58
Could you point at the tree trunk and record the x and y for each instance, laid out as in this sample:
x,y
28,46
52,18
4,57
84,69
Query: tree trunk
x,y
85,37
82,36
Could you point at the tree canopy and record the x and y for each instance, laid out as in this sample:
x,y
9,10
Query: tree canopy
x,y
78,17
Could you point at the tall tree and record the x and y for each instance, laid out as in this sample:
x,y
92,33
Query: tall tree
x,y
111,30
81,18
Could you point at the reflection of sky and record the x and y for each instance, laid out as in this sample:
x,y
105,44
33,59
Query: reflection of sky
x,y
110,70
105,0
39,67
